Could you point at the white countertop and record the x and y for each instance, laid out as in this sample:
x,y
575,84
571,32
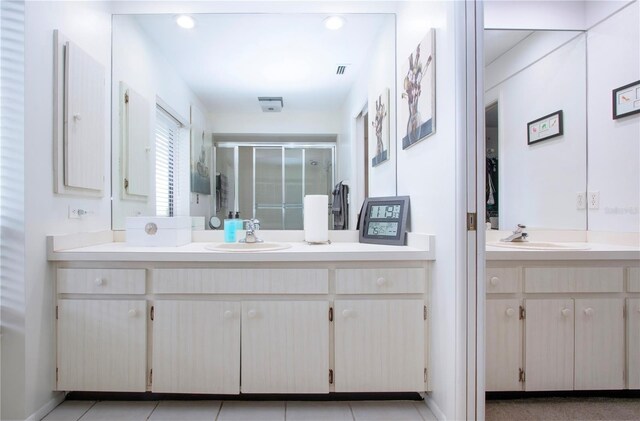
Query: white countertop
x,y
595,251
196,252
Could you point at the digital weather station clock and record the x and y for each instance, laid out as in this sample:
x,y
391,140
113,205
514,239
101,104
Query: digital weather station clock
x,y
384,220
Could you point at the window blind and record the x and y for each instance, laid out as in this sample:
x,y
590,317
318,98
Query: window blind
x,y
167,159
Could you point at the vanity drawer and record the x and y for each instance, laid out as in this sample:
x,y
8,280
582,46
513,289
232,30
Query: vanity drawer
x,y
633,284
380,281
573,279
501,280
101,281
241,281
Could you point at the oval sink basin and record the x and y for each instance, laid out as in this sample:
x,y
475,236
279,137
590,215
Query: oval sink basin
x,y
536,245
247,247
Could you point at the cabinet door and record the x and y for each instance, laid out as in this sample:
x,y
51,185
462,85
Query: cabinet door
x,y
549,344
285,347
102,345
196,347
503,345
379,345
599,354
633,342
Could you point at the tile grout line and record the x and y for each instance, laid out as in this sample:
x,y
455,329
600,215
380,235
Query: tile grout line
x,y
87,411
285,410
219,411
153,410
353,415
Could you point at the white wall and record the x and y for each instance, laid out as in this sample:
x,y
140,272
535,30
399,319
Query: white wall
x,y
613,53
534,14
143,68
375,75
428,172
539,182
88,25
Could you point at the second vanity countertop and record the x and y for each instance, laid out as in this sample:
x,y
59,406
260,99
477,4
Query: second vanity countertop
x,y
197,252
595,251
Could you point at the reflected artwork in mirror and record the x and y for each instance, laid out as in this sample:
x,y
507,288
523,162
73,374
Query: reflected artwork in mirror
x,y
226,150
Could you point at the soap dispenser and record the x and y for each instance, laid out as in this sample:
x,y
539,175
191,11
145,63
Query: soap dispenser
x,y
230,229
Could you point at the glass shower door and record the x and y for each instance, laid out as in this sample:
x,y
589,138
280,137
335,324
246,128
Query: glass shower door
x,y
293,188
268,187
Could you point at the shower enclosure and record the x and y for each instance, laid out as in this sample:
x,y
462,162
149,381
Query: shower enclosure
x,y
269,181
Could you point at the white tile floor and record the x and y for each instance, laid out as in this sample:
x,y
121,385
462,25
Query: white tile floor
x,y
240,411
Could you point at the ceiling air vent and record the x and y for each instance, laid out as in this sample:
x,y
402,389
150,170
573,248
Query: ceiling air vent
x,y
341,69
271,104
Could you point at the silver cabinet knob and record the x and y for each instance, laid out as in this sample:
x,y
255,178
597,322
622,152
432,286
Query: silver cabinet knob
x,y
133,312
565,312
588,311
98,281
227,314
510,312
381,281
494,280
252,314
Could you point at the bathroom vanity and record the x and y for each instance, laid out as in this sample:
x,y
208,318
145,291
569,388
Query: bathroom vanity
x,y
342,317
563,320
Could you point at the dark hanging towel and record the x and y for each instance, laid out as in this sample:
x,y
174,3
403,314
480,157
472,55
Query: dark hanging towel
x,y
340,207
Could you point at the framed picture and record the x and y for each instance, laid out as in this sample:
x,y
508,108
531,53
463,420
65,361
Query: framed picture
x,y
626,100
379,117
418,108
200,162
545,128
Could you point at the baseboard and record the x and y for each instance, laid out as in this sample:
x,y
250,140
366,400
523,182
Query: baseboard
x,y
434,408
46,408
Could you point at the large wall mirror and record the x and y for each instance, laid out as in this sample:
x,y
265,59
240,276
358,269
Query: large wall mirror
x,y
533,177
248,113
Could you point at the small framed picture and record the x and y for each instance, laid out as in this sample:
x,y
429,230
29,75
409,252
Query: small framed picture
x,y
626,100
545,128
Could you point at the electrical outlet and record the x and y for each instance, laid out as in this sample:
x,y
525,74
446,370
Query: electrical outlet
x,y
594,199
581,200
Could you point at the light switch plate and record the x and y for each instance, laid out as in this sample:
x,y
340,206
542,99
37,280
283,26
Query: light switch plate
x,y
581,200
593,200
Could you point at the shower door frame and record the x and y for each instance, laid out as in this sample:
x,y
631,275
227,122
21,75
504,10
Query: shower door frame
x,y
283,147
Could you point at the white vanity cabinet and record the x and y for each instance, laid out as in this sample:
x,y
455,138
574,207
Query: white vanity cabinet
x,y
380,341
101,342
285,347
196,347
571,330
230,328
503,345
549,339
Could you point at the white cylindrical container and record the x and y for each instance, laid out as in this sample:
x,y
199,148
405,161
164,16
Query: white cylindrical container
x,y
316,218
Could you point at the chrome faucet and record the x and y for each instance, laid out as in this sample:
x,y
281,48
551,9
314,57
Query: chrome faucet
x,y
518,235
253,225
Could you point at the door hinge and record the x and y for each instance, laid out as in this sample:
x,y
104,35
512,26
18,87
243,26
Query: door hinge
x,y
126,183
424,313
425,375
126,98
330,376
471,221
330,314
521,376
56,314
150,377
523,314
152,313
56,374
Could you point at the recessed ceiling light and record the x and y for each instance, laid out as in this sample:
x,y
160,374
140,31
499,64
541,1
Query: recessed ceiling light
x,y
334,22
185,21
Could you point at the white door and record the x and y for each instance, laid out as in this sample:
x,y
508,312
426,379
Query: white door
x,y
196,347
599,346
633,342
549,344
285,347
379,345
503,345
102,345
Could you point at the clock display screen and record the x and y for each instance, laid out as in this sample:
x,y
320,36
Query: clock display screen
x,y
385,212
385,229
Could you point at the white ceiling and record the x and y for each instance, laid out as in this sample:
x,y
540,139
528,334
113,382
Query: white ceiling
x,y
499,41
229,60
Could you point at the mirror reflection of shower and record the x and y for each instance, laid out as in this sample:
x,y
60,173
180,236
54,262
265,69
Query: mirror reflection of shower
x,y
269,181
